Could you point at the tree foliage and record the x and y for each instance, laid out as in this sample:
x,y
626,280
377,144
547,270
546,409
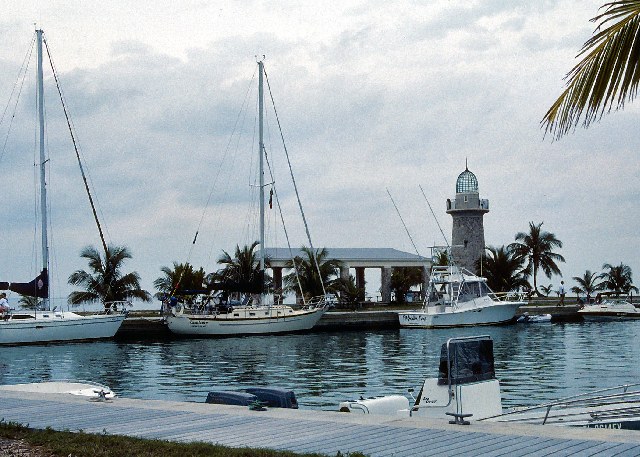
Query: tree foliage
x,y
403,279
608,73
180,280
241,273
504,270
311,281
617,279
105,281
535,248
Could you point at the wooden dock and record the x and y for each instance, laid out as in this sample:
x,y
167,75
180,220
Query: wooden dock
x,y
308,431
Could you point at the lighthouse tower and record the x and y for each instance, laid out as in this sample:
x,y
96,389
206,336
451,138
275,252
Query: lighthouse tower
x,y
467,210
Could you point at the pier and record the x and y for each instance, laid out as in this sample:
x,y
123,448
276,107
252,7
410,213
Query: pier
x,y
301,430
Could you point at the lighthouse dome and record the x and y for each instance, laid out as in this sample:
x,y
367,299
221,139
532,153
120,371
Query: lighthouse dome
x,y
467,182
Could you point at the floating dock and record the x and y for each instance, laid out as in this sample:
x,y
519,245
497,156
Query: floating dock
x,y
302,430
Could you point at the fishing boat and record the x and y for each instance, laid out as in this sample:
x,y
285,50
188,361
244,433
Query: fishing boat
x,y
609,309
466,389
255,313
457,298
49,325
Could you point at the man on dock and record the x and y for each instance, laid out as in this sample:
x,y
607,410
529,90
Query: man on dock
x,y
561,293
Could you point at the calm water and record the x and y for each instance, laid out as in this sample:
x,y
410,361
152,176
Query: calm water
x,y
535,362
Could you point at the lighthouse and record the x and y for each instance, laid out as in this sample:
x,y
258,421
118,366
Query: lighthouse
x,y
467,211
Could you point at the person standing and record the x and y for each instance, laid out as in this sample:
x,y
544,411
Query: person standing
x,y
562,293
4,303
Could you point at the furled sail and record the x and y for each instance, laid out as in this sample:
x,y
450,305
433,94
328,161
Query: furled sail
x,y
39,287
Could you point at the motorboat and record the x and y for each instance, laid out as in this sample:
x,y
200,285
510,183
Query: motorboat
x,y
255,397
609,309
467,390
466,387
456,298
91,390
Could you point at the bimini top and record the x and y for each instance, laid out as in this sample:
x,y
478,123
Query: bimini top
x,y
467,182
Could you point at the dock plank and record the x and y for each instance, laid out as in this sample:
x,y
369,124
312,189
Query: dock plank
x,y
308,431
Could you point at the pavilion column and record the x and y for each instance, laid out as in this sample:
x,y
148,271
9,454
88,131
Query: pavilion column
x,y
277,284
344,272
360,282
425,280
385,284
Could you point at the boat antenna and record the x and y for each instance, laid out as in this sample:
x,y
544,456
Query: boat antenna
x,y
402,220
75,147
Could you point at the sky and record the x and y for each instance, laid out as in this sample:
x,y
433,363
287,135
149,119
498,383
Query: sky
x,y
372,97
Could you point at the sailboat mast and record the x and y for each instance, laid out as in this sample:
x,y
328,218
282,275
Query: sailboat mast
x,y
43,183
261,147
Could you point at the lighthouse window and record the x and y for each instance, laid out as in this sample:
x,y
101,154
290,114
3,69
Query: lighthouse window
x,y
466,242
465,199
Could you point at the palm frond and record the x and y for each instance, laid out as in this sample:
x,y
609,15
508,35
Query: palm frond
x,y
607,76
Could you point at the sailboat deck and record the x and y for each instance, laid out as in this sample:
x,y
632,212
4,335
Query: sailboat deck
x,y
308,431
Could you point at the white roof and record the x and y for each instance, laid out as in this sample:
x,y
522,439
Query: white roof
x,y
355,257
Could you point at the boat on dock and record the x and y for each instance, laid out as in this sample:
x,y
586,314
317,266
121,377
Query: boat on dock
x,y
458,298
87,389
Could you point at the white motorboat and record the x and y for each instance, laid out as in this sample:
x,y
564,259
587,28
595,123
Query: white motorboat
x,y
610,309
456,298
527,318
252,314
52,325
87,389
466,389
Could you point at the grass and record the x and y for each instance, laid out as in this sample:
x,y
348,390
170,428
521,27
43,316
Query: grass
x,y
78,444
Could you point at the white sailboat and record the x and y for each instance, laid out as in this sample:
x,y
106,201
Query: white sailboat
x,y
457,298
249,318
51,325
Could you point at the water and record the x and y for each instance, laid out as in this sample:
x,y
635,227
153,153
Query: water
x,y
535,362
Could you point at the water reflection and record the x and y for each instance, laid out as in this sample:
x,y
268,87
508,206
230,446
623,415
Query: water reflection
x,y
535,362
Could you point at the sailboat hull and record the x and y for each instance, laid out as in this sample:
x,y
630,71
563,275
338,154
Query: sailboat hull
x,y
59,326
245,321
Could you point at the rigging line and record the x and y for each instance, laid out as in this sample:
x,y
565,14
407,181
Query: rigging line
x,y
402,220
434,216
24,68
284,227
295,186
75,147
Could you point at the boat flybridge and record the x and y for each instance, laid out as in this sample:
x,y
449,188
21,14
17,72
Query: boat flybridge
x,y
456,298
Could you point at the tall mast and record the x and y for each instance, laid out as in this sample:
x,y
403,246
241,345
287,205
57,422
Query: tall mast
x,y
261,147
43,183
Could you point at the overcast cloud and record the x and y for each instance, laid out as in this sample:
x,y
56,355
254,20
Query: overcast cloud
x,y
371,95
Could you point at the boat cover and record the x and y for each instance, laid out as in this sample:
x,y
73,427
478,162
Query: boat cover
x,y
39,287
466,361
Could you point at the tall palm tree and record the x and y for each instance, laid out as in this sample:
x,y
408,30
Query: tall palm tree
x,y
503,269
617,279
587,283
608,74
106,282
27,302
241,273
349,293
536,249
312,281
182,279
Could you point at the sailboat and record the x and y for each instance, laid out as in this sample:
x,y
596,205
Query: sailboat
x,y
37,326
248,318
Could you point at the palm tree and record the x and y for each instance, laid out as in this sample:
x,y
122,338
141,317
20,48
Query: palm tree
x,y
241,273
617,279
607,74
587,284
503,269
441,259
27,302
546,290
403,279
312,281
106,282
180,280
536,248
348,293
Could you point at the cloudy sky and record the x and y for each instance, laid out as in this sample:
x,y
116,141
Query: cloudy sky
x,y
372,95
